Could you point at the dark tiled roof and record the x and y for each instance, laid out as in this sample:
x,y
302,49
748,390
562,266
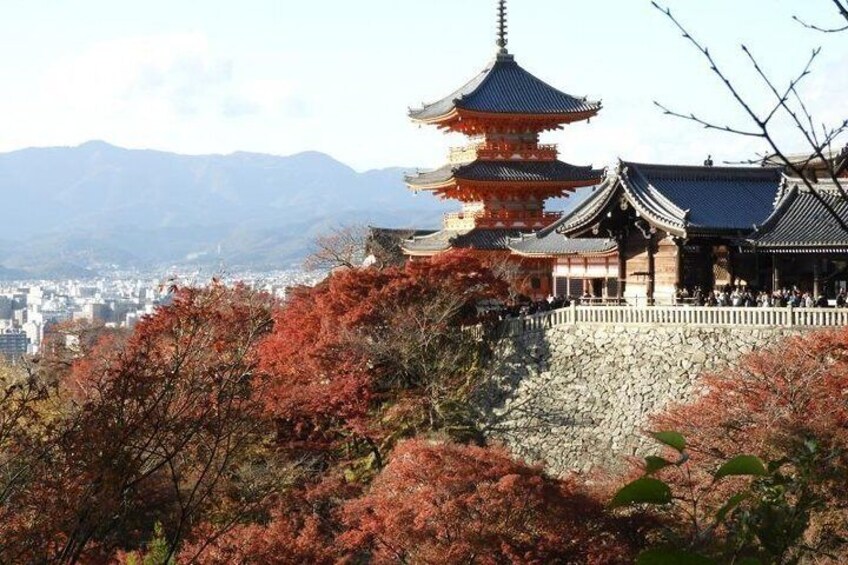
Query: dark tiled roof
x,y
385,235
509,171
481,238
686,200
585,212
801,220
553,243
506,88
389,240
705,198
433,243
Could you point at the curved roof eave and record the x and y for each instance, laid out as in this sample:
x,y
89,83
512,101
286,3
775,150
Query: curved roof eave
x,y
657,209
442,241
417,253
430,186
633,197
588,210
438,110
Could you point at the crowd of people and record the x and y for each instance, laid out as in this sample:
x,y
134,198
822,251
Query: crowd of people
x,y
727,296
739,297
529,307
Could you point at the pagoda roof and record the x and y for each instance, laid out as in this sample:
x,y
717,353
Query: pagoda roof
x,y
801,219
504,87
506,171
484,239
684,200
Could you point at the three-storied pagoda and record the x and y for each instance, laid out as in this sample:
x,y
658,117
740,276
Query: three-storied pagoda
x,y
504,175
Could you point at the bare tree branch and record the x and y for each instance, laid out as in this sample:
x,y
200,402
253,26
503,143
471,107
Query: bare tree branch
x,y
707,125
801,118
340,248
843,11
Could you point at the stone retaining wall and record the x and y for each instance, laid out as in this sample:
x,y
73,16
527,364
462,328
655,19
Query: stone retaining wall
x,y
578,396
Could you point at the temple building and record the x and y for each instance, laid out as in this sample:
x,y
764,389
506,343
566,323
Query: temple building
x,y
504,175
648,231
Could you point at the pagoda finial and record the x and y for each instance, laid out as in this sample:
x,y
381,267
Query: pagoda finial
x,y
502,26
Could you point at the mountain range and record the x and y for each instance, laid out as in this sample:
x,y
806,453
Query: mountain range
x,y
71,210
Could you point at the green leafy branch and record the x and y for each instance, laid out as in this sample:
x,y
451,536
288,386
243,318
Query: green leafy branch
x,y
762,523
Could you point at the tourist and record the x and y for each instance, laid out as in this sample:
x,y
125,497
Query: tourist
x,y
736,298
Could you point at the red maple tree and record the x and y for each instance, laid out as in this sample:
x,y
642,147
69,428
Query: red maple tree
x,y
369,351
446,503
162,425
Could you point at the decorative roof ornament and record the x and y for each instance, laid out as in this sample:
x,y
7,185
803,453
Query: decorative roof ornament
x,y
502,27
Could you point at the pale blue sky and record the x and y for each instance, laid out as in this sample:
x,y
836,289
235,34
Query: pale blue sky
x,y
337,76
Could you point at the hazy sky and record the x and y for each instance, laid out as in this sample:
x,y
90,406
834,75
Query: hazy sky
x,y
283,76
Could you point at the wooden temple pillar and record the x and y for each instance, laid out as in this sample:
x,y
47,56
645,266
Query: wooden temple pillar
x,y
652,273
731,266
622,268
816,278
775,273
678,265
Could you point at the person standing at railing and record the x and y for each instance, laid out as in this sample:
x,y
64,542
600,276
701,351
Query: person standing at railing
x,y
681,295
736,298
840,299
749,299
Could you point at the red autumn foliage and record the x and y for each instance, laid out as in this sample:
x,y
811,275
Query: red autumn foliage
x,y
447,503
331,355
146,428
302,528
799,385
769,404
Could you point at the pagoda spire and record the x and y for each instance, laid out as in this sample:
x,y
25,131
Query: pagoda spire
x,y
502,27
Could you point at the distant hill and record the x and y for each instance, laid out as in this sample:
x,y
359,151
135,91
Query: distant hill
x,y
11,274
74,208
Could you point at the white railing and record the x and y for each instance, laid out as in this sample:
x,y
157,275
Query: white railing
x,y
679,316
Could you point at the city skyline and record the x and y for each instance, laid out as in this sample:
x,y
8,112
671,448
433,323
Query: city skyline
x,y
338,77
118,299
